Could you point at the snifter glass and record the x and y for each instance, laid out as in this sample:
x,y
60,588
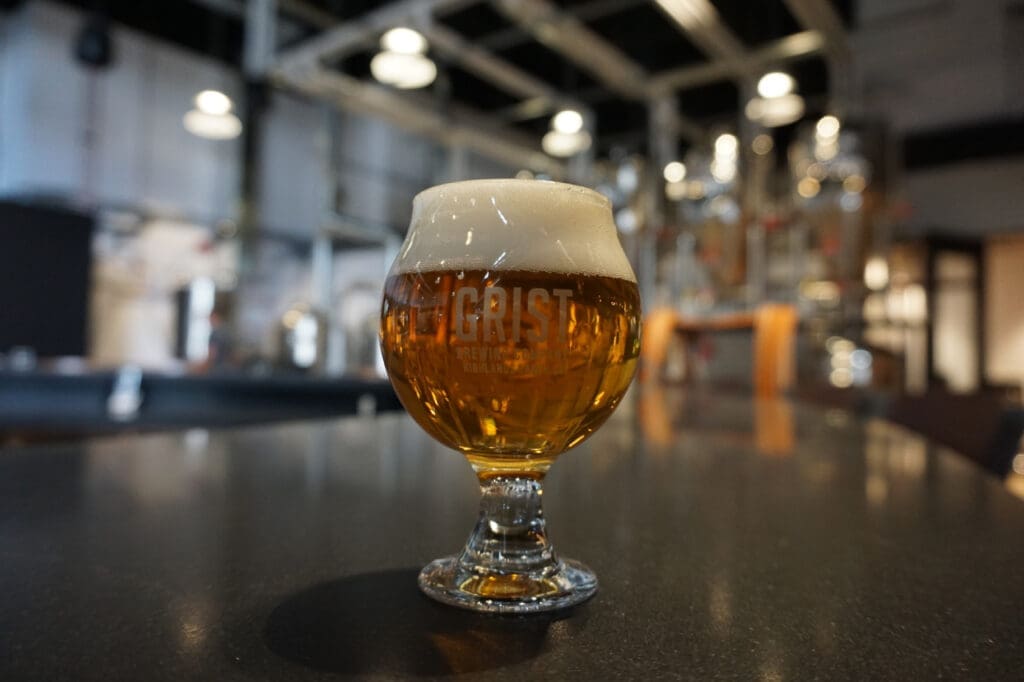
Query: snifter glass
x,y
510,330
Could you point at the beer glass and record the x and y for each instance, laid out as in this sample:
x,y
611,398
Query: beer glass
x,y
510,329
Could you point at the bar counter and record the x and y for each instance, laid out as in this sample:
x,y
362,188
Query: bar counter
x,y
733,539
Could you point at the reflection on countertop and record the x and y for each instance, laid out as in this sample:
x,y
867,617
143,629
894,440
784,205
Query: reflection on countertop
x,y
737,541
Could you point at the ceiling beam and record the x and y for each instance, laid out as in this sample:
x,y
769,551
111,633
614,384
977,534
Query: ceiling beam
x,y
308,13
821,16
591,11
699,22
415,113
355,32
567,35
795,46
496,71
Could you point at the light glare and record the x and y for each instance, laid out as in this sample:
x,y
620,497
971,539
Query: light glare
x,y
403,71
560,144
213,102
404,41
675,171
212,126
726,145
775,111
808,188
827,127
775,84
567,121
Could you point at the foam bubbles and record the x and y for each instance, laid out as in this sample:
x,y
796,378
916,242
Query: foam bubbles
x,y
505,225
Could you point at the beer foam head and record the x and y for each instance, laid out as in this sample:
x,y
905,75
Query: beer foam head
x,y
500,225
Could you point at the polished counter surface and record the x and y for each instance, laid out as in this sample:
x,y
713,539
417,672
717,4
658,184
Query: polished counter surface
x,y
732,539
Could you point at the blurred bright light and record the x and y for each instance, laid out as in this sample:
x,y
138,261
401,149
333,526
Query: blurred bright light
x,y
726,146
723,170
212,126
627,221
850,202
567,121
775,84
564,144
855,184
628,176
827,127
725,207
822,291
675,171
676,190
825,150
915,303
404,41
775,111
841,378
876,273
213,102
762,144
860,359
874,308
402,70
837,344
808,188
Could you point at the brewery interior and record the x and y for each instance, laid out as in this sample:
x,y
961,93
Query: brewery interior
x,y
816,473
200,199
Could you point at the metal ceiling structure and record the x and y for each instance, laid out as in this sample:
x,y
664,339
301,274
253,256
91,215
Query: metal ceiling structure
x,y
507,65
501,31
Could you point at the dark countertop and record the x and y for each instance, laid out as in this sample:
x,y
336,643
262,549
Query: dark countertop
x,y
45,406
732,541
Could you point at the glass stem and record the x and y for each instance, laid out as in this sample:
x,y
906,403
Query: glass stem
x,y
509,537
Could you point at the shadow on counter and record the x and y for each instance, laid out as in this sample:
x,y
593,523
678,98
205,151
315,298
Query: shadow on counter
x,y
380,624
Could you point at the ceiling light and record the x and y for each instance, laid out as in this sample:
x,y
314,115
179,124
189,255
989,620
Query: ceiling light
x,y
403,70
775,111
556,143
212,126
827,127
775,84
213,102
674,172
567,121
404,41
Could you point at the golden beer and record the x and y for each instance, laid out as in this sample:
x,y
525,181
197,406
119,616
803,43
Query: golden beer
x,y
510,367
510,329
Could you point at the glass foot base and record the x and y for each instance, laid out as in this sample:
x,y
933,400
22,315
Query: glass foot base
x,y
450,582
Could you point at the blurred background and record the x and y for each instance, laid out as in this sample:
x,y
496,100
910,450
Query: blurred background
x,y
199,199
